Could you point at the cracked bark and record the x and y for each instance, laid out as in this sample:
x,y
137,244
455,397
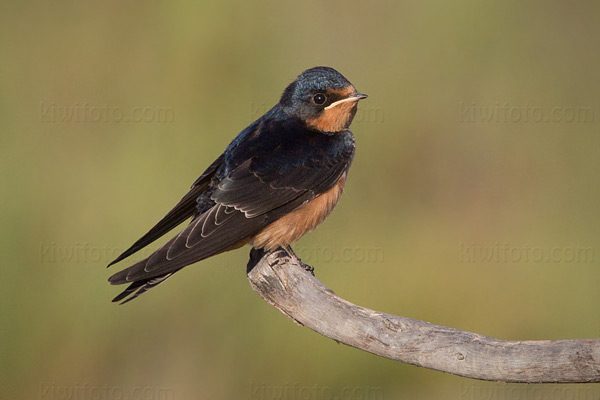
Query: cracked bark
x,y
282,281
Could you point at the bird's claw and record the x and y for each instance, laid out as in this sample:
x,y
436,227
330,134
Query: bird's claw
x,y
290,252
274,261
307,267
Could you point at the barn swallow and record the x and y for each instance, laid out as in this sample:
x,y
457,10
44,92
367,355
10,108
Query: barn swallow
x,y
277,180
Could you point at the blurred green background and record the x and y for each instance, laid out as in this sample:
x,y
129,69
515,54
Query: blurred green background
x,y
472,201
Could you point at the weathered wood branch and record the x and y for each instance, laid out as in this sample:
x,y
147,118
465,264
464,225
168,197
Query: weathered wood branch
x,y
285,284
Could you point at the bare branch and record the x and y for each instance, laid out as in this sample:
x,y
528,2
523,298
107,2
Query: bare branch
x,y
283,283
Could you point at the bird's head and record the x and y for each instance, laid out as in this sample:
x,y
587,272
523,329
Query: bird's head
x,y
323,99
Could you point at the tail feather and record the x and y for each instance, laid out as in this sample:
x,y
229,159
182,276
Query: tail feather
x,y
182,211
186,208
138,288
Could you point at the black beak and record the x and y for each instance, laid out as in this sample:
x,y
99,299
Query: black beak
x,y
354,98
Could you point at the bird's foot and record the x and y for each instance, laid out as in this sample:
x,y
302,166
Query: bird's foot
x,y
275,258
306,267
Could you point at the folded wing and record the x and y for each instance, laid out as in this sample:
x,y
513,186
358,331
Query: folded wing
x,y
243,202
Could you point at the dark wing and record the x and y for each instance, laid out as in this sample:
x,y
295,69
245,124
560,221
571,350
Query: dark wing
x,y
246,200
185,209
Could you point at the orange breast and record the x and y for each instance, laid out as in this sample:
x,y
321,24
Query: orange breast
x,y
294,225
335,119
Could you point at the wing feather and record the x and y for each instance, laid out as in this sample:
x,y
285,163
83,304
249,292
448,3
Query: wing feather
x,y
185,209
235,207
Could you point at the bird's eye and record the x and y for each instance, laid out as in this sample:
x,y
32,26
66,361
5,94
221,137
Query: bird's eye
x,y
319,98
